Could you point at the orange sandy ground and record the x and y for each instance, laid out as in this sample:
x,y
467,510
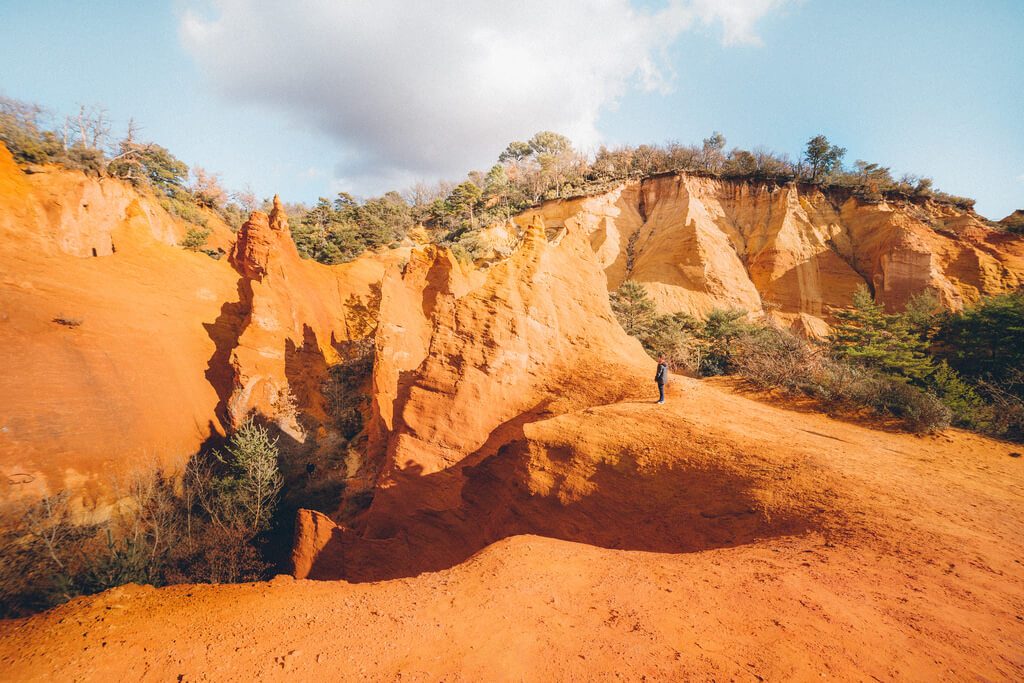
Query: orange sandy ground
x,y
916,574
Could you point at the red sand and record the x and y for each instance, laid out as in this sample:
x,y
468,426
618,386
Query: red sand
x,y
909,568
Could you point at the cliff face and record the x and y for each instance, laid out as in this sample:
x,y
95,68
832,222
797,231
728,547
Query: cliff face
x,y
287,327
464,363
700,243
136,356
122,348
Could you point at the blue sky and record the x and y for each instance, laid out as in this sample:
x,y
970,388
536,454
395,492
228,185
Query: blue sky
x,y
327,96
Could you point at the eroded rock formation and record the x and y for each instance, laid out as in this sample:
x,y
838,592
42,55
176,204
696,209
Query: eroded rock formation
x,y
135,357
290,320
793,251
462,368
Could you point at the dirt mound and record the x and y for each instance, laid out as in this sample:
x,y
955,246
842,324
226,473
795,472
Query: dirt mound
x,y
464,362
627,476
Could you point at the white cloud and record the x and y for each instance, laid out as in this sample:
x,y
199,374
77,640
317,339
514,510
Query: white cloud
x,y
434,88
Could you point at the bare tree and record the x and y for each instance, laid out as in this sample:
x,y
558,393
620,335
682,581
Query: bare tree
x,y
206,188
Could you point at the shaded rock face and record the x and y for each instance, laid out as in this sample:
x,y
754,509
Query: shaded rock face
x,y
700,243
290,322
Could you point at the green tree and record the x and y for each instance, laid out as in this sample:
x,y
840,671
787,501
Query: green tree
x,y
985,340
671,336
822,156
383,220
923,314
313,234
740,163
149,163
547,142
247,493
966,405
632,308
515,152
464,199
195,238
340,231
497,190
717,335
865,334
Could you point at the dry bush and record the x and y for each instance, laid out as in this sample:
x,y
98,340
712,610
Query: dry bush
x,y
1006,417
773,358
203,527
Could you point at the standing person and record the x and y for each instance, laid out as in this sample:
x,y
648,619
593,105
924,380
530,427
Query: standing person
x,y
661,377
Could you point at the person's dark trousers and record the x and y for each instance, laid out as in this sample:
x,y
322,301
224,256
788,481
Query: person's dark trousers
x,y
661,392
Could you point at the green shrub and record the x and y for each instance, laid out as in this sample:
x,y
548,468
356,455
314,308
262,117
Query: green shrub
x,y
776,359
195,239
183,208
968,409
244,488
985,341
21,132
717,336
340,231
919,411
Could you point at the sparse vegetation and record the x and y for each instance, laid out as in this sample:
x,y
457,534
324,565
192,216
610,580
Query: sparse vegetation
x,y
547,167
526,173
85,142
195,239
926,367
202,526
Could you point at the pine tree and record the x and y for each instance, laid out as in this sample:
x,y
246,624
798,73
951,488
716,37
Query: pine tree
x,y
867,335
986,340
633,309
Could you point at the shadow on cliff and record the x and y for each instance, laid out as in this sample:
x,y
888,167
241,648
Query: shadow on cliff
x,y
305,368
225,332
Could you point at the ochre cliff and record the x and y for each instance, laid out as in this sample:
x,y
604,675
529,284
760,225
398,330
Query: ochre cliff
x,y
122,351
793,251
543,517
462,366
287,327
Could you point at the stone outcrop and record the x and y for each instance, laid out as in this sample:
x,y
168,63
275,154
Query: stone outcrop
x,y
291,319
792,251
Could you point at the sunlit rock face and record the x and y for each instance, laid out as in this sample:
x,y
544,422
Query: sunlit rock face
x,y
792,251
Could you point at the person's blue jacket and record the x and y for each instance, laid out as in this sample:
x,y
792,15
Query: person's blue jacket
x,y
662,375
